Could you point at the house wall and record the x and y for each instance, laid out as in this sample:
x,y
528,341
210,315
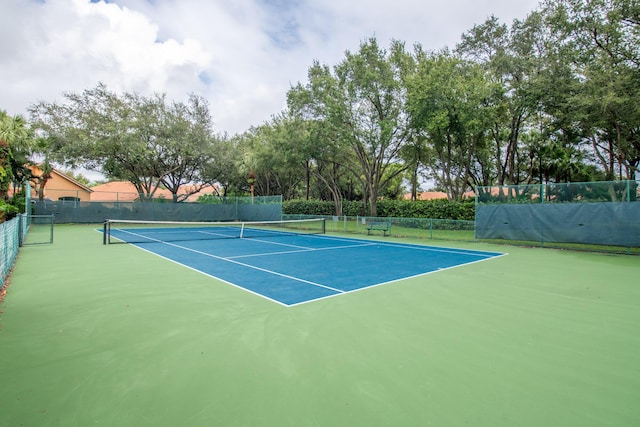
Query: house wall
x,y
56,189
61,186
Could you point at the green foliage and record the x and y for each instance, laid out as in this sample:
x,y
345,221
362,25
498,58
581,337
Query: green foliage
x,y
148,141
5,168
574,192
15,143
447,101
19,201
209,199
320,207
435,209
362,104
7,211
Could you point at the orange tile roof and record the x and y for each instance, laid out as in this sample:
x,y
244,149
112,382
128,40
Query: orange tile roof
x,y
428,195
114,191
434,195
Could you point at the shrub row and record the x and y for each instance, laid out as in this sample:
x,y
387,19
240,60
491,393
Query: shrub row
x,y
435,209
320,207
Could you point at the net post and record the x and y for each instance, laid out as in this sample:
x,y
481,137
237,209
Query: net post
x,y
20,235
105,231
51,229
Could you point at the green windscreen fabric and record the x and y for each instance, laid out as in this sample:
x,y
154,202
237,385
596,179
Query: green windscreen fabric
x,y
233,209
9,245
616,224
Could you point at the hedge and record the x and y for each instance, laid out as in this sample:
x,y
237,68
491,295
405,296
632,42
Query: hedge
x,y
434,209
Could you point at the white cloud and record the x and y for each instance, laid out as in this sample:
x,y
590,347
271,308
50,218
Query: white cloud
x,y
72,45
242,55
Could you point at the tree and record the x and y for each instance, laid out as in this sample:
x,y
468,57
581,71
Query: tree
x,y
16,142
416,154
448,101
329,157
272,156
511,59
603,41
362,102
225,164
188,148
143,140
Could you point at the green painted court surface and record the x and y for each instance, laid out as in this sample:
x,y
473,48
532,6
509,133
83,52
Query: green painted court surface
x,y
115,336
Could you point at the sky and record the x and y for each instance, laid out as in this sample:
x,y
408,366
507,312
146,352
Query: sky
x,y
242,56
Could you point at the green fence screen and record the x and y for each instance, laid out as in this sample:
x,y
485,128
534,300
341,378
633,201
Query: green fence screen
x,y
593,213
227,209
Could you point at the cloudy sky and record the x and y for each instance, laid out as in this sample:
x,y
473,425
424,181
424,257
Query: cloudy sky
x,y
241,55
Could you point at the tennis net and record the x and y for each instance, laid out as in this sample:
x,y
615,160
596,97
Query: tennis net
x,y
136,231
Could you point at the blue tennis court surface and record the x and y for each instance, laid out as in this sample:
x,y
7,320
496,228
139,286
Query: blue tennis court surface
x,y
295,269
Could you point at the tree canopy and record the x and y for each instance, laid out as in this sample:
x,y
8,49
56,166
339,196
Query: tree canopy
x,y
145,140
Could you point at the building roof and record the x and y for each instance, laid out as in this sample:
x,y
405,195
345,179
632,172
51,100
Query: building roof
x,y
427,195
114,191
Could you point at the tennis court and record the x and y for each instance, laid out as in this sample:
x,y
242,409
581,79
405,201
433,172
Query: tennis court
x,y
289,262
94,334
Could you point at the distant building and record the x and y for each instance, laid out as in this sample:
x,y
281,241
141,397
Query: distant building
x,y
59,186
